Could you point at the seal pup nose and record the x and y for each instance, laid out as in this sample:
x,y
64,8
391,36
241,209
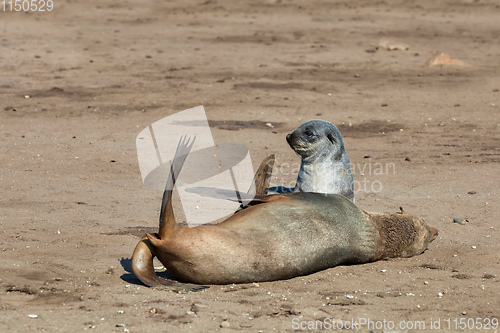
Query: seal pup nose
x,y
288,138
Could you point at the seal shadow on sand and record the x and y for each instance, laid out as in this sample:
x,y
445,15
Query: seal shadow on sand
x,y
129,276
126,263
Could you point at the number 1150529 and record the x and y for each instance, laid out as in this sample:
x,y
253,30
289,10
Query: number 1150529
x,y
26,5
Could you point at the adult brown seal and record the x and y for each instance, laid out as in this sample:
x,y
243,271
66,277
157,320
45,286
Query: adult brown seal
x,y
325,166
276,237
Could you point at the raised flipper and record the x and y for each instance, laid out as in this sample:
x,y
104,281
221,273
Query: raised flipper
x,y
232,195
219,193
262,177
181,153
142,259
256,194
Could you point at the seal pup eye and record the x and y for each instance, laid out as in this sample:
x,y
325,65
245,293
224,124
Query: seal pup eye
x,y
309,133
331,138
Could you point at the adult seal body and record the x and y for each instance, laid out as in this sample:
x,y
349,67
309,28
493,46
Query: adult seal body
x,y
325,166
276,237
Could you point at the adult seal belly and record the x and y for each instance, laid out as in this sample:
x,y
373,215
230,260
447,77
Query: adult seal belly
x,y
276,237
325,166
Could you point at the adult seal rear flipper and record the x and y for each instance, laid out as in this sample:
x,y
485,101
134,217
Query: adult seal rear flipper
x,y
142,258
143,268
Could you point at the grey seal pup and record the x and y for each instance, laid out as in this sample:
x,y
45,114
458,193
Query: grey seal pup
x,y
276,237
325,166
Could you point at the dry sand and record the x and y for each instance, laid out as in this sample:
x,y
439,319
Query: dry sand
x,y
77,84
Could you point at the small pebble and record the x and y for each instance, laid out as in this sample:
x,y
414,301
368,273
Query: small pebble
x,y
32,316
269,125
225,324
255,285
440,295
426,282
459,220
473,247
464,312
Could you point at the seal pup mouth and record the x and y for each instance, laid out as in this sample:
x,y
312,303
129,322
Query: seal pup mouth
x,y
300,148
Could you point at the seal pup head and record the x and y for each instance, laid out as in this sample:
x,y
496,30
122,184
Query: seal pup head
x,y
316,138
325,165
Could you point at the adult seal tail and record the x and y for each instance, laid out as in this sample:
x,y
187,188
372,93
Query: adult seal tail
x,y
325,166
276,237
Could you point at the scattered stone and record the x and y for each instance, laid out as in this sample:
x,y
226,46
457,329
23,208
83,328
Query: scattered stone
x,y
408,159
225,324
387,44
459,220
471,192
194,308
442,59
269,125
33,316
389,294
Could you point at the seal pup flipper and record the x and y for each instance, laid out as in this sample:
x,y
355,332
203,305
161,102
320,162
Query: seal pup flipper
x,y
262,178
257,190
220,193
232,195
